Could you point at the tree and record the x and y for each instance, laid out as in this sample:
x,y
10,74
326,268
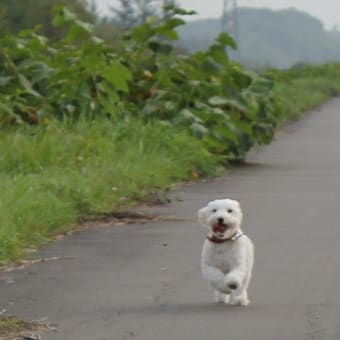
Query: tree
x,y
26,14
131,13
125,15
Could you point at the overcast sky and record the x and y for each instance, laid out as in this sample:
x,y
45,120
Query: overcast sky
x,y
326,10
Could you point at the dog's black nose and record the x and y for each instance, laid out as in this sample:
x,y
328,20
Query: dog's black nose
x,y
220,220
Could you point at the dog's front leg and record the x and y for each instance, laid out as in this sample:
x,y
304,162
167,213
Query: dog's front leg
x,y
233,280
237,281
240,267
215,278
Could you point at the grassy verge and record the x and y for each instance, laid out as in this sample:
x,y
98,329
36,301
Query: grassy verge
x,y
50,177
12,328
307,87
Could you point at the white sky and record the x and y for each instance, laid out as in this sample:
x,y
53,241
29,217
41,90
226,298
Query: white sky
x,y
326,10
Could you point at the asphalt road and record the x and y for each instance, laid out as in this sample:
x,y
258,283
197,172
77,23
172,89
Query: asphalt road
x,y
143,281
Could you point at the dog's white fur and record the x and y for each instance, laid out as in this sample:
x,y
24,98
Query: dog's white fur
x,y
228,265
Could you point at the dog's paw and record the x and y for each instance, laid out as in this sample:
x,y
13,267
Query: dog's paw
x,y
220,297
239,301
233,285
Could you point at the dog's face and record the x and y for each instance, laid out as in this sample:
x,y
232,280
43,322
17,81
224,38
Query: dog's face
x,y
223,216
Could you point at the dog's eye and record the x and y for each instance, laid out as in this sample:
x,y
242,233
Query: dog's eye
x,y
214,210
230,210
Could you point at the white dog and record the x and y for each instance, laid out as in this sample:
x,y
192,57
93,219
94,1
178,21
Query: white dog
x,y
227,254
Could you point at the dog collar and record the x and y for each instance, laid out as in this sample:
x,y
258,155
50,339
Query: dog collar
x,y
215,239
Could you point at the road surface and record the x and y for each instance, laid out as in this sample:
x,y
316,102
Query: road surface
x,y
143,281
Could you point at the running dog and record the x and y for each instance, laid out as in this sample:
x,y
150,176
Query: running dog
x,y
227,254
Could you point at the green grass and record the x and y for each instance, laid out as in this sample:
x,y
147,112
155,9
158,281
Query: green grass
x,y
306,88
51,177
12,328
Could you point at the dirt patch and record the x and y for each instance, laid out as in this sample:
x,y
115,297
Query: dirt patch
x,y
124,216
23,263
12,328
121,217
138,213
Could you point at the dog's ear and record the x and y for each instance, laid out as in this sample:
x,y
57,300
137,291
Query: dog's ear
x,y
202,216
237,203
240,210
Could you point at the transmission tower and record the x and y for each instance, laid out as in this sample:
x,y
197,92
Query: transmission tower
x,y
229,21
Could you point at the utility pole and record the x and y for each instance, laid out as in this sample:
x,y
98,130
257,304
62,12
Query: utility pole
x,y
229,21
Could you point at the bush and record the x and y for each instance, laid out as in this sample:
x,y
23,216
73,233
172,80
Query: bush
x,y
219,102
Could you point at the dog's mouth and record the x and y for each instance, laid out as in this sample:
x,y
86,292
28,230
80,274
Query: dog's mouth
x,y
220,228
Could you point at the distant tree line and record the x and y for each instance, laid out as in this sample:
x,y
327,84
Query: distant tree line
x,y
267,37
16,15
134,12
270,38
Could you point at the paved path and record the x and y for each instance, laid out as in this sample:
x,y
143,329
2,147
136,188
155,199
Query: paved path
x,y
143,281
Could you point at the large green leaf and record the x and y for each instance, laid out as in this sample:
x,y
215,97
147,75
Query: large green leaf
x,y
218,53
141,33
199,130
118,75
176,10
78,28
28,86
226,40
232,104
172,23
187,115
78,32
168,33
158,47
63,16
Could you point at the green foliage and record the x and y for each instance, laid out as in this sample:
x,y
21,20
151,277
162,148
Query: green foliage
x,y
81,77
10,327
78,76
18,15
216,99
227,107
304,87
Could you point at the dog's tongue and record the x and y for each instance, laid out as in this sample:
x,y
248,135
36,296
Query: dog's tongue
x,y
219,228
